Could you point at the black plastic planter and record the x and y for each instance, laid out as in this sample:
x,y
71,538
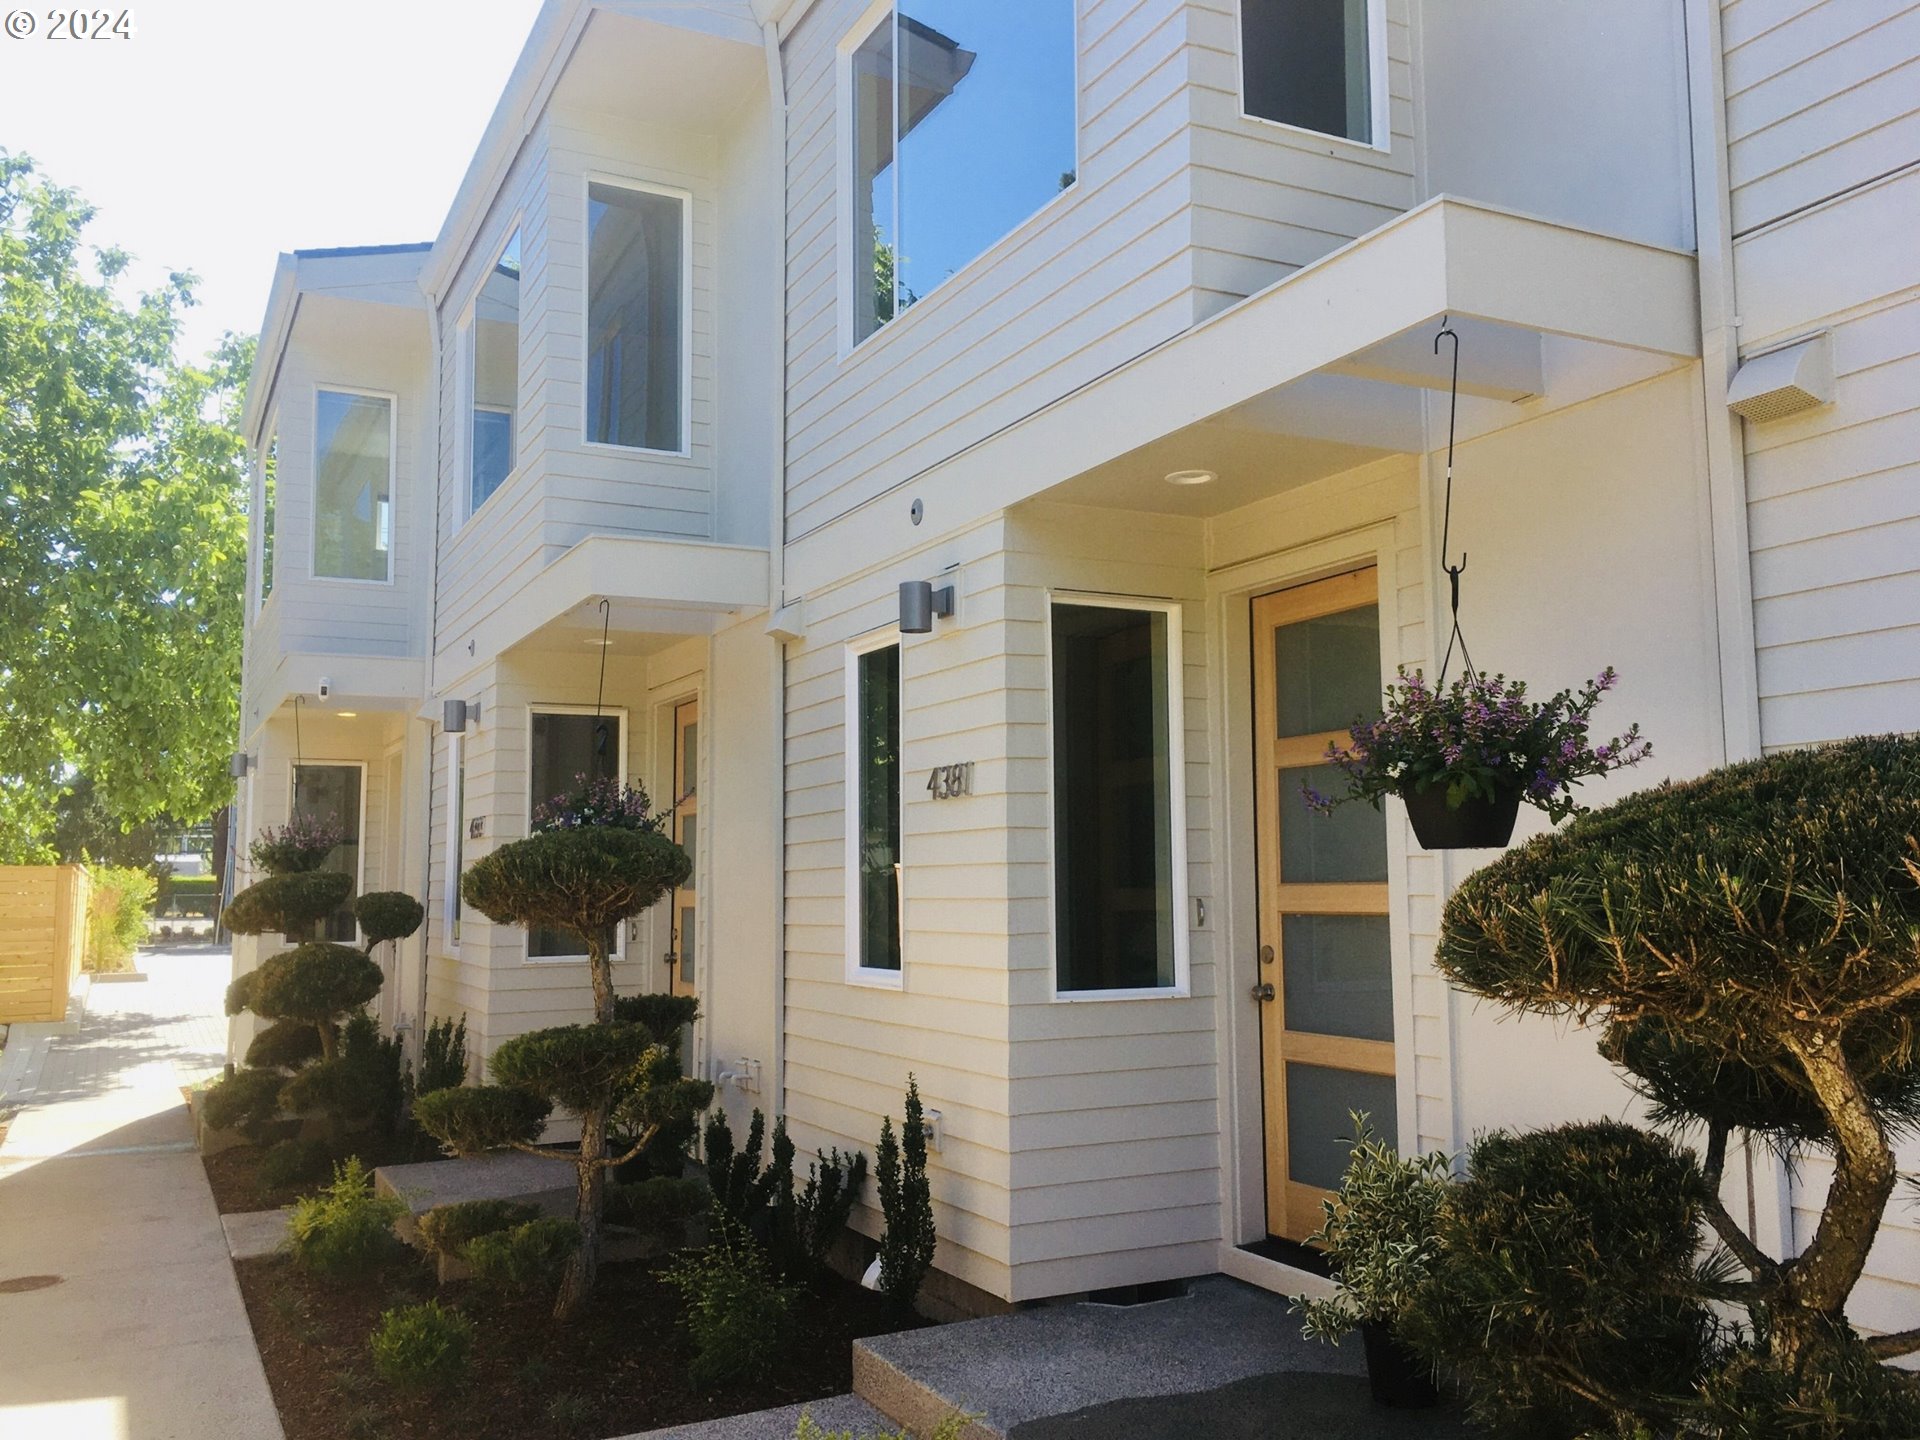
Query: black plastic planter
x,y
1395,1374
1478,824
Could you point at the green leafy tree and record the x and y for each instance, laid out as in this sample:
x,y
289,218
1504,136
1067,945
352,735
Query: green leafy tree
x,y
122,532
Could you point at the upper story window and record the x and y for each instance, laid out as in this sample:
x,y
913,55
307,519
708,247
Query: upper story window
x,y
1313,64
637,304
269,465
964,122
493,339
352,486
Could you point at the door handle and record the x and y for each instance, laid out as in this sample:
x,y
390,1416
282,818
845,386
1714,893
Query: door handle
x,y
1263,992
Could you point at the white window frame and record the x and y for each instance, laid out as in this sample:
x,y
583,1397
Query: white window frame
x,y
1377,83
313,483
619,712
294,767
467,333
685,197
843,243
857,972
1176,800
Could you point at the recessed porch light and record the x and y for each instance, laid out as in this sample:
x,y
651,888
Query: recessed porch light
x,y
597,641
1191,477
349,714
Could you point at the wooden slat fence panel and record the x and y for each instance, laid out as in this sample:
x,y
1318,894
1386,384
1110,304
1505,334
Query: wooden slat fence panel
x,y
43,937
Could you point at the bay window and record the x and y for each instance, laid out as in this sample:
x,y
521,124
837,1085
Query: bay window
x,y
636,318
493,339
1314,64
964,122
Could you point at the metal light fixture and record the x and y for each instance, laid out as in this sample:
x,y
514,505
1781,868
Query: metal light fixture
x,y
238,766
920,604
456,715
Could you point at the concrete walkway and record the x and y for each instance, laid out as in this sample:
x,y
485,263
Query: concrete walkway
x,y
118,1306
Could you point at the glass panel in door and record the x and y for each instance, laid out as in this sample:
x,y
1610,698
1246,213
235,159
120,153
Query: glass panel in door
x,y
331,794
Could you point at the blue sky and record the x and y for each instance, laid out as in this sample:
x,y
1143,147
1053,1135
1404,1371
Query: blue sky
x,y
226,131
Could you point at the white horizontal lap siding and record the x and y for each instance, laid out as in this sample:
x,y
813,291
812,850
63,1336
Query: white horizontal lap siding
x,y
1267,199
850,1047
1102,274
1821,98
1834,525
1115,1105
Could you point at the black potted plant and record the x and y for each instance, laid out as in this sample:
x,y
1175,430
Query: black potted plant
x,y
1465,757
1381,1236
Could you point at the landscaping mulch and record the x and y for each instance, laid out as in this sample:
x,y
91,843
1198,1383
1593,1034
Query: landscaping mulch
x,y
619,1367
238,1189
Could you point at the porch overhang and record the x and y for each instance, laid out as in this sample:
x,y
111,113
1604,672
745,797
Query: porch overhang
x,y
662,589
1324,370
370,684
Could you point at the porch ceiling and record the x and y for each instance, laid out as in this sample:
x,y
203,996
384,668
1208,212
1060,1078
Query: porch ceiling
x,y
1324,370
659,591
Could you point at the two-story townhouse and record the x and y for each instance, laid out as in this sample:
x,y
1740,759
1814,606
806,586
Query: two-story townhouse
x,y
1110,329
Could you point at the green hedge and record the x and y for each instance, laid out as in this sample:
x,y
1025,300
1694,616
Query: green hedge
x,y
122,899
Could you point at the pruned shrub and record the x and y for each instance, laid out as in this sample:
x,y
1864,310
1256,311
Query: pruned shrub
x,y
240,993
582,1067
735,1310
344,1230
1564,1295
318,983
906,1203
287,1163
661,1208
447,1229
1841,1392
443,1056
527,1257
388,915
807,1225
473,1119
422,1347
664,1016
742,1187
247,1101
287,904
1747,941
283,1045
576,880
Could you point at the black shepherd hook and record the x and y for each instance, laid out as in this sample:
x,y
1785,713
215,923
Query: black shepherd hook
x,y
600,695
297,750
1454,572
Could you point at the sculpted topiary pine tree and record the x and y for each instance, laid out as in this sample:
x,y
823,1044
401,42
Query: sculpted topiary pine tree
x,y
1750,943
597,859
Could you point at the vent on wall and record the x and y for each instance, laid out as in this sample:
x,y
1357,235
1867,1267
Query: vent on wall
x,y
1784,382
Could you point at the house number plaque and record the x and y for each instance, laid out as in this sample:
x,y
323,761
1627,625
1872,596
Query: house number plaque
x,y
950,782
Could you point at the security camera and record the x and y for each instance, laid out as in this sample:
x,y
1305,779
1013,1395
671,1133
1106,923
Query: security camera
x,y
325,688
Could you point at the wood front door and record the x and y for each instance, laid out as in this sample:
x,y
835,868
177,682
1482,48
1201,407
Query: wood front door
x,y
1325,976
683,956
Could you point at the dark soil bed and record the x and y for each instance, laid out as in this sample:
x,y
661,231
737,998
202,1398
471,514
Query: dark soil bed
x,y
237,1188
620,1367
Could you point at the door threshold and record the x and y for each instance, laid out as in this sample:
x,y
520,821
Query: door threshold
x,y
1277,1276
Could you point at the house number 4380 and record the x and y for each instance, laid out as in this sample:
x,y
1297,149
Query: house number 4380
x,y
949,782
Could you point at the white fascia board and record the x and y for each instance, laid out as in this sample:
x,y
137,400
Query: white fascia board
x,y
534,75
367,682
274,330
1445,256
697,579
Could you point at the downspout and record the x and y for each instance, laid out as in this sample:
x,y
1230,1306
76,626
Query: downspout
x,y
1768,1200
769,13
432,649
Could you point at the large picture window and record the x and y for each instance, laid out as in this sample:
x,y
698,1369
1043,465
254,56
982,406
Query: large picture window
x,y
873,805
636,348
964,122
566,750
494,356
352,486
1310,63
1118,844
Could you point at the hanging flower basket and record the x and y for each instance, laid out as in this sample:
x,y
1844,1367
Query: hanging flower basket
x,y
1465,757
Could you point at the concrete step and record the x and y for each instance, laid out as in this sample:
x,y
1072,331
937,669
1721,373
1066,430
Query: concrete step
x,y
834,1415
1033,1372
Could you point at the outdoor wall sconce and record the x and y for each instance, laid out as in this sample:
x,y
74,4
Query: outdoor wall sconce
x,y
455,715
920,603
238,766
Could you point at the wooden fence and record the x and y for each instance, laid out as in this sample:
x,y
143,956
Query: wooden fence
x,y
43,936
